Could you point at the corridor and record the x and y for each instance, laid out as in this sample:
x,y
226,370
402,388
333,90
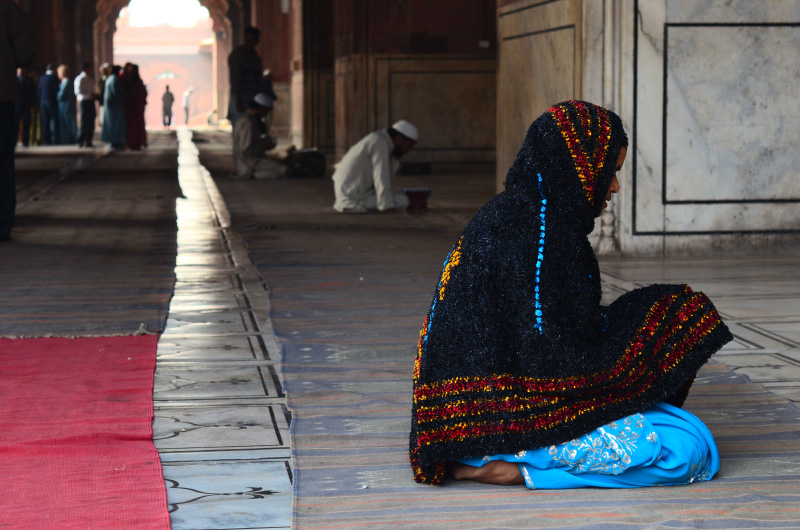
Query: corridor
x,y
283,379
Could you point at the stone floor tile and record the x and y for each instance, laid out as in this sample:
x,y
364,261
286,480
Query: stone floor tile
x,y
207,429
235,495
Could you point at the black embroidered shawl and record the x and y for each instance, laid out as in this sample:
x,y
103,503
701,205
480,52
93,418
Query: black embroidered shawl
x,y
516,351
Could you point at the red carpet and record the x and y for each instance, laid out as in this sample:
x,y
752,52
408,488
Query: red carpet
x,y
76,447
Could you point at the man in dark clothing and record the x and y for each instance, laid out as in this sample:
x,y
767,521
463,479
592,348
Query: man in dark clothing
x,y
244,67
16,49
25,102
48,102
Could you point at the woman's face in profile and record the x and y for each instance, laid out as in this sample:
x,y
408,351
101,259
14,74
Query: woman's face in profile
x,y
614,187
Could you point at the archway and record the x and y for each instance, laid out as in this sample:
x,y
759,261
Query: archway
x,y
227,17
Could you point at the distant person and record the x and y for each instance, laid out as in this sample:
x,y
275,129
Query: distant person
x,y
48,103
245,69
114,110
16,50
166,107
186,103
84,88
24,105
105,71
67,113
363,179
135,102
250,143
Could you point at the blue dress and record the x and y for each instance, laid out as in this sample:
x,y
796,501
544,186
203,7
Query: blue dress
x,y
114,112
661,446
67,114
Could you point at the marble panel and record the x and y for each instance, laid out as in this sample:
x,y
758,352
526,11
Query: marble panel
x,y
758,307
763,367
785,331
202,382
647,214
736,11
223,348
204,429
451,99
731,113
538,69
223,495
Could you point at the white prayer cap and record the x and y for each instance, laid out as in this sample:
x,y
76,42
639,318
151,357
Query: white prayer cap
x,y
407,129
263,100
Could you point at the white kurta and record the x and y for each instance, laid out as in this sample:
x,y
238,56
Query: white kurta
x,y
363,178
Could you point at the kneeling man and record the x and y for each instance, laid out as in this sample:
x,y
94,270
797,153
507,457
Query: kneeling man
x,y
363,179
251,143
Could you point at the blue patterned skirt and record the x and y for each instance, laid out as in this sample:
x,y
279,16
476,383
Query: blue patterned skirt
x,y
661,446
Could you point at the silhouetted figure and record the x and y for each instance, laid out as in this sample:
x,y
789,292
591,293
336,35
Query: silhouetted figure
x,y
48,103
251,143
24,105
16,50
114,110
166,107
245,69
86,95
135,101
67,113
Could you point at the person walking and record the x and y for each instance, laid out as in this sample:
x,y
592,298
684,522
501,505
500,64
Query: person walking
x,y
166,107
67,113
48,103
17,49
86,95
186,103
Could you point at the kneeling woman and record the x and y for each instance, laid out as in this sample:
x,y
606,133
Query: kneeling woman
x,y
521,375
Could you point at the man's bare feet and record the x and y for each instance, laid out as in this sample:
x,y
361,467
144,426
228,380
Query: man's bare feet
x,y
494,472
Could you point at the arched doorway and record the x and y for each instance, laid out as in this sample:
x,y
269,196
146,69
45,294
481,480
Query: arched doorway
x,y
227,17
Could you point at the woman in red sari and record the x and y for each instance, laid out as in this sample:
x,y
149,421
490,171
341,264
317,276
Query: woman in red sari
x,y
135,101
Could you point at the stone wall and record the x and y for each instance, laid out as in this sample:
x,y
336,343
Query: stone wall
x,y
707,92
451,100
713,115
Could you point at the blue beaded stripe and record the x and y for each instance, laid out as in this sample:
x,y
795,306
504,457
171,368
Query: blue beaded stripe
x,y
436,296
540,259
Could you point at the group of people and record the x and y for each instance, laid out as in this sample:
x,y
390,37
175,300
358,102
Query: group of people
x,y
47,101
48,110
123,101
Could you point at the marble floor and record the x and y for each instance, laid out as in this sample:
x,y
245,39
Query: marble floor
x,y
221,423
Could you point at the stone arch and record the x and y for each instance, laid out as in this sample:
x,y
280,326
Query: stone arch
x,y
228,24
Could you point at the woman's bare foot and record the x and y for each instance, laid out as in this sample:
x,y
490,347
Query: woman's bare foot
x,y
494,472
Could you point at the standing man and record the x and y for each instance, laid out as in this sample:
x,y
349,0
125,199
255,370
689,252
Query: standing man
x,y
85,92
187,96
245,67
363,179
166,107
25,103
16,50
48,103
